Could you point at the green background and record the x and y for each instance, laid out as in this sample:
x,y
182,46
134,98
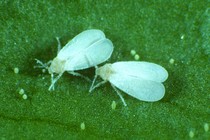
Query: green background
x,y
157,29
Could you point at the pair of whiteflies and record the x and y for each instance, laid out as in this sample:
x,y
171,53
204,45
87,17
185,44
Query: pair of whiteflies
x,y
142,80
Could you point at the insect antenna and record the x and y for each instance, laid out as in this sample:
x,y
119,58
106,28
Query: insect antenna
x,y
59,44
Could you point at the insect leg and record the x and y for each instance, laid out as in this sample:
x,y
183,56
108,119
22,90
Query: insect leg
x,y
53,81
99,84
95,77
118,93
80,75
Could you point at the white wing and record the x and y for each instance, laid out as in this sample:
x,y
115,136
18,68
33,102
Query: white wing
x,y
79,43
91,56
141,70
139,88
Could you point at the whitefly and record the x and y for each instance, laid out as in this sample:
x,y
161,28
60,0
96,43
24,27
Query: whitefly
x,y
85,50
141,80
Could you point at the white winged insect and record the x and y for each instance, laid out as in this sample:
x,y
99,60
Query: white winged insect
x,y
142,80
85,50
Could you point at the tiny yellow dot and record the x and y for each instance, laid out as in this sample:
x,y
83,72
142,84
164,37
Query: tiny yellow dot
x,y
24,96
133,52
191,134
171,61
43,70
21,92
206,127
16,70
182,37
114,104
82,126
136,57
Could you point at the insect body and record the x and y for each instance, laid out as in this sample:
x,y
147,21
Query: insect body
x,y
142,80
85,50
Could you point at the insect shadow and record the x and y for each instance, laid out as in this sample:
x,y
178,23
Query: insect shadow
x,y
174,86
46,51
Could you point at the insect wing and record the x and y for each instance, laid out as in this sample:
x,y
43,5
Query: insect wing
x,y
93,55
141,70
79,43
139,88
